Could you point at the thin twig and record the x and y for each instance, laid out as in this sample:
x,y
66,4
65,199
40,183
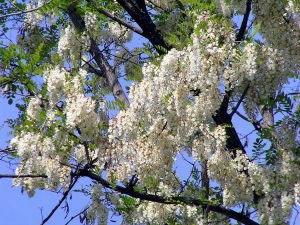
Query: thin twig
x,y
120,21
24,11
240,100
23,176
256,124
8,150
66,193
294,93
78,214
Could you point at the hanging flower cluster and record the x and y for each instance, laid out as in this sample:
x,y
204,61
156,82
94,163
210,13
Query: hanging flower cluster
x,y
171,111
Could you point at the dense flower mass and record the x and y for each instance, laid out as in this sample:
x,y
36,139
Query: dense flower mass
x,y
71,45
39,156
229,7
43,153
184,104
172,117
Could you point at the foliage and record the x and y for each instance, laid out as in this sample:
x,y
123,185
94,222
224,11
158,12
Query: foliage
x,y
177,111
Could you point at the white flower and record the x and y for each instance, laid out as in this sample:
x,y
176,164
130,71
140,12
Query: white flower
x,y
34,108
71,44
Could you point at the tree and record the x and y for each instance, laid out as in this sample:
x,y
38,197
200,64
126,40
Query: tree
x,y
211,84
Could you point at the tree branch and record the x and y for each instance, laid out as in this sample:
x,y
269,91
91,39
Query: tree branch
x,y
255,124
119,20
242,30
23,176
240,100
8,150
24,11
141,17
78,214
112,78
222,117
205,185
65,195
168,200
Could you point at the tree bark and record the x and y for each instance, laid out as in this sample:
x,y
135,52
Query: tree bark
x,y
111,77
169,200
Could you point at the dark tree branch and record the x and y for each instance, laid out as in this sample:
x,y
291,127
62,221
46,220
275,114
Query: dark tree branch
x,y
24,11
23,176
65,195
119,20
9,150
140,15
111,77
169,200
141,4
242,30
240,101
75,216
256,124
92,69
205,182
222,117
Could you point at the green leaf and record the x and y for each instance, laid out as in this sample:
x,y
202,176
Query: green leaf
x,y
167,98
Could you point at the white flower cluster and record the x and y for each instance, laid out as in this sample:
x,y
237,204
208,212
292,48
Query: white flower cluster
x,y
119,33
276,201
228,7
36,17
33,19
92,24
293,11
48,151
34,108
157,213
258,67
39,156
171,111
149,134
297,193
270,63
80,110
71,44
153,213
104,32
97,210
280,188
243,66
279,25
208,142
164,4
231,176
275,208
55,79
